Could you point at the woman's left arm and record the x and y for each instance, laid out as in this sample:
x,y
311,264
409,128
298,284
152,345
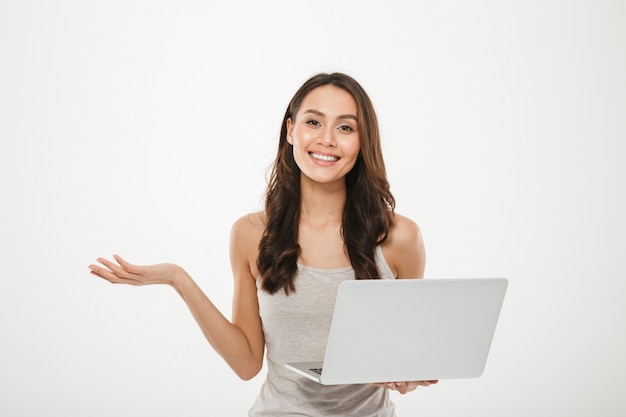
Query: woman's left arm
x,y
406,256
404,249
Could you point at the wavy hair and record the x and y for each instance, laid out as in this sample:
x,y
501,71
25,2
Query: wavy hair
x,y
368,211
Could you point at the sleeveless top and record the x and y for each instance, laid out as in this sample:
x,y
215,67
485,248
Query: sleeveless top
x,y
296,329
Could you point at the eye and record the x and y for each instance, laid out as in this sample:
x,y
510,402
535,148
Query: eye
x,y
313,122
346,128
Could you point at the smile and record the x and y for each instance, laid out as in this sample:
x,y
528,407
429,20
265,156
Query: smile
x,y
325,158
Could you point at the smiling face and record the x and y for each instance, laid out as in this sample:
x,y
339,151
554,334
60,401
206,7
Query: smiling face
x,y
325,135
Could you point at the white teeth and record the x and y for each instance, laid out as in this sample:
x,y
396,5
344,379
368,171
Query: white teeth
x,y
326,158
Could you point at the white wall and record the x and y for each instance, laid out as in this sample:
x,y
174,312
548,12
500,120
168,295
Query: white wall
x,y
145,128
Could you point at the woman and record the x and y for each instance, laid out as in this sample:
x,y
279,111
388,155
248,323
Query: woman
x,y
329,217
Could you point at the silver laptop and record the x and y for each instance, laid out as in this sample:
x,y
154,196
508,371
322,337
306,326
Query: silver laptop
x,y
409,330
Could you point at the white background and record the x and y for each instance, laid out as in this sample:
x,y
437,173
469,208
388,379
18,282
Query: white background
x,y
145,128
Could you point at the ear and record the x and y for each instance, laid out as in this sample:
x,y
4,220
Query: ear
x,y
289,131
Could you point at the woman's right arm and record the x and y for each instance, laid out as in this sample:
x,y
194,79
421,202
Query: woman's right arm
x,y
239,342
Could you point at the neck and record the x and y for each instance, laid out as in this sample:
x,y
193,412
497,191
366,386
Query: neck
x,y
322,202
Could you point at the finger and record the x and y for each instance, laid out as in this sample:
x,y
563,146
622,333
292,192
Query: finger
x,y
427,383
424,383
113,272
103,273
118,270
402,387
110,265
93,270
396,386
128,267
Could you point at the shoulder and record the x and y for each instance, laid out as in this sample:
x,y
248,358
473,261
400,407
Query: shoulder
x,y
404,230
249,226
404,248
245,235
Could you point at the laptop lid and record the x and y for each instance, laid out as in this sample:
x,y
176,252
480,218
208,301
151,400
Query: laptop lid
x,y
411,329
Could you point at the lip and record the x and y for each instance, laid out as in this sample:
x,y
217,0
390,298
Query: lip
x,y
323,157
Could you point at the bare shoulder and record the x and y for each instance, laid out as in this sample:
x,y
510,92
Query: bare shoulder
x,y
245,236
404,230
249,226
404,248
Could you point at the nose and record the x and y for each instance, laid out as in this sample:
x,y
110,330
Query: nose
x,y
327,137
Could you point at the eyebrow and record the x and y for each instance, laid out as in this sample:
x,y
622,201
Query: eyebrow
x,y
341,116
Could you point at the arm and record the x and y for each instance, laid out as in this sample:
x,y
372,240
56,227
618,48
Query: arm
x,y
405,253
239,342
404,249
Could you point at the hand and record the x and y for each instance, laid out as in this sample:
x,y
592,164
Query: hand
x,y
404,387
126,273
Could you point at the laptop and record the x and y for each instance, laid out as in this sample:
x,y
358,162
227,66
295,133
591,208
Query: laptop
x,y
408,330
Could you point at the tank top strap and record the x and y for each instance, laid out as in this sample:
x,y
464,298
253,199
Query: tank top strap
x,y
383,266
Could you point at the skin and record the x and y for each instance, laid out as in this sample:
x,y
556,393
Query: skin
x,y
326,144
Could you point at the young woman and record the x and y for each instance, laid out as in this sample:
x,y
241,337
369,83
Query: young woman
x,y
329,217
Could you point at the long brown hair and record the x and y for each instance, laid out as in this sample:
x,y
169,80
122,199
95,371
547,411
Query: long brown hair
x,y
368,211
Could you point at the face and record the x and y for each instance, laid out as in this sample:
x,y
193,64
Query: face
x,y
325,135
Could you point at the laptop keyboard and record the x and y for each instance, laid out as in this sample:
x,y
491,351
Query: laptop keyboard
x,y
316,370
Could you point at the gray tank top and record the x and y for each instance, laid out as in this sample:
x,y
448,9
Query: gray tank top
x,y
296,328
